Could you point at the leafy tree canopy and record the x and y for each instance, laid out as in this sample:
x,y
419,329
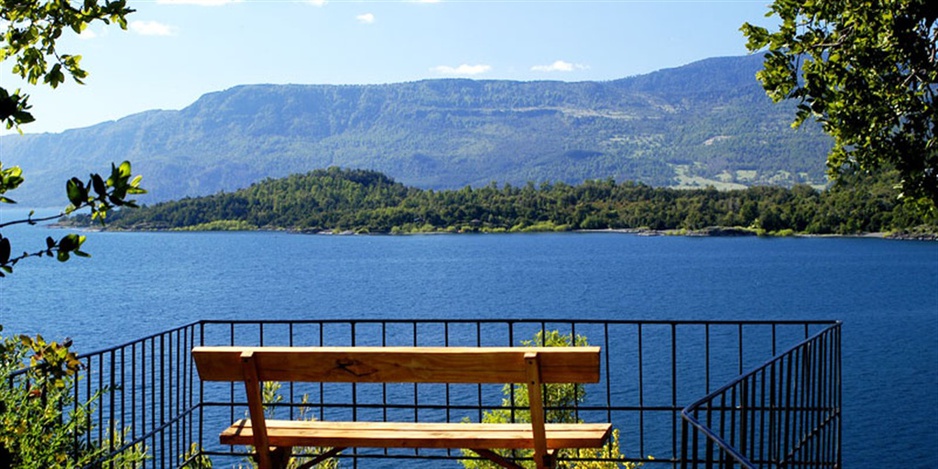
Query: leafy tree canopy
x,y
30,29
867,70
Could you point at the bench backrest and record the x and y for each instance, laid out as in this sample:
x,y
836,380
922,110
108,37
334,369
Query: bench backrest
x,y
400,364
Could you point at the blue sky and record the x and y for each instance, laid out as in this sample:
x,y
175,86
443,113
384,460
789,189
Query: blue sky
x,y
176,50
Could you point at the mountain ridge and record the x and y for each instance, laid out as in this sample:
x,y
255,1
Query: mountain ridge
x,y
708,120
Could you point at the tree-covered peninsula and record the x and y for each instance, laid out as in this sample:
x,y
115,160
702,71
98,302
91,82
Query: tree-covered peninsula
x,y
360,201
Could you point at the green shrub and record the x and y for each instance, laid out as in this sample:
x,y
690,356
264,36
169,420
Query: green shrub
x,y
41,426
561,398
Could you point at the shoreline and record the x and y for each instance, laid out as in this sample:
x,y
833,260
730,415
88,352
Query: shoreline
x,y
709,232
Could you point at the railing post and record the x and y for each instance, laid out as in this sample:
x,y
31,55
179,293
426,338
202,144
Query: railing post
x,y
743,416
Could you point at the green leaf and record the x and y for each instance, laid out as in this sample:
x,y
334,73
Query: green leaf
x,y
5,250
99,187
77,193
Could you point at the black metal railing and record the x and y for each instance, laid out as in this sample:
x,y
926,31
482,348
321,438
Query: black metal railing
x,y
784,414
151,395
650,371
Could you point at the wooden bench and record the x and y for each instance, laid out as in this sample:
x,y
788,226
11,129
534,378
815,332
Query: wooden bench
x,y
273,440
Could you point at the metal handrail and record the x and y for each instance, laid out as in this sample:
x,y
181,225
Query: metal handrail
x,y
732,455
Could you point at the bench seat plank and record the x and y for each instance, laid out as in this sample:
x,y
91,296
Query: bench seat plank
x,y
417,435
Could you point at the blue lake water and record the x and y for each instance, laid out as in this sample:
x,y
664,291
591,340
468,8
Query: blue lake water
x,y
885,292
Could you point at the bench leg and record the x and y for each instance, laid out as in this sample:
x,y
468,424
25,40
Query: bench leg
x,y
280,457
496,458
550,459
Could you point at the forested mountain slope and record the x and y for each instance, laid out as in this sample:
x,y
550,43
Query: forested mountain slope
x,y
709,119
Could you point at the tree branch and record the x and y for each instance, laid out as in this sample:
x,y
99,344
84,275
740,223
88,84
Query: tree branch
x,y
32,221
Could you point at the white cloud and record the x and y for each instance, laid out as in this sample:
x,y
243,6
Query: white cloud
x,y
366,18
152,28
464,69
559,66
317,3
204,3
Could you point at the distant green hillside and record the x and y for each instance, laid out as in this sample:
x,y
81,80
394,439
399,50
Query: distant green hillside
x,y
340,200
708,122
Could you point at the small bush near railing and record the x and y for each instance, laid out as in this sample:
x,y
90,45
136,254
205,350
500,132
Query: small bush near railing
x,y
41,424
559,401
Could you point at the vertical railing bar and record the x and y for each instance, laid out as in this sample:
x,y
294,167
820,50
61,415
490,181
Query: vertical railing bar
x,y
384,386
839,394
352,342
789,382
828,411
189,393
143,388
112,401
292,389
90,377
576,386
818,401
674,409
641,392
416,398
133,391
822,403
511,387
709,418
685,441
100,410
707,357
762,414
608,372
322,386
231,386
201,396
446,392
189,388
178,377
807,415
754,407
835,393
732,412
123,404
744,410
479,386
798,413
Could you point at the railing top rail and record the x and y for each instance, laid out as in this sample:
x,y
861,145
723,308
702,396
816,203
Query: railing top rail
x,y
203,322
813,322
